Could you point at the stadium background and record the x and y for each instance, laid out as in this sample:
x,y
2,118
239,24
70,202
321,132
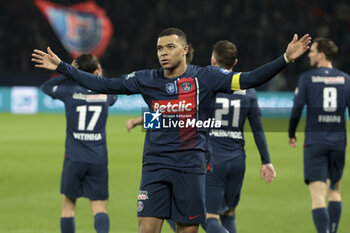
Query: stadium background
x,y
31,146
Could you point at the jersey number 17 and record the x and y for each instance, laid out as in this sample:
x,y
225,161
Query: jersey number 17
x,y
82,117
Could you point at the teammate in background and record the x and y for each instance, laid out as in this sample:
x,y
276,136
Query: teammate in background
x,y
224,183
174,163
85,172
326,92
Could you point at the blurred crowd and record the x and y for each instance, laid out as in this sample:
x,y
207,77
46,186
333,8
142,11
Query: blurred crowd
x,y
261,29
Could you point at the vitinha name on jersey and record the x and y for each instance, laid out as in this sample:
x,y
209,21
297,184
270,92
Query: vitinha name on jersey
x,y
87,136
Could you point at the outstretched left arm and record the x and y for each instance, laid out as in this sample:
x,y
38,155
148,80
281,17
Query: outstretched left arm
x,y
264,73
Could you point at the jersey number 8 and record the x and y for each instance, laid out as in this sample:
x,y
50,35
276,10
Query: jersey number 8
x,y
329,99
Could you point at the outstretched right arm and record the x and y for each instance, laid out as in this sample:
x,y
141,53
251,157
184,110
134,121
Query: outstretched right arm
x,y
93,82
51,61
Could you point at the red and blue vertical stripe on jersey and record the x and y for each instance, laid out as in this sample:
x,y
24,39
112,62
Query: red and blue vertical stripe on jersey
x,y
188,92
183,109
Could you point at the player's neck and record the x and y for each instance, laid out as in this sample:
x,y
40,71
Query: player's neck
x,y
179,70
325,63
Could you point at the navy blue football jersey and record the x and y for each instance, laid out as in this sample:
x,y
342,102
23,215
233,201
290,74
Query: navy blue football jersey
x,y
189,96
232,110
86,115
326,92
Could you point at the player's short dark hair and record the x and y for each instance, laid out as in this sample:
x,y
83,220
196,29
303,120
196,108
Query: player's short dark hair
x,y
189,55
174,31
225,53
87,62
326,46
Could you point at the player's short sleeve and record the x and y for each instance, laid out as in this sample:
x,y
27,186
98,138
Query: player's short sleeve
x,y
221,80
300,93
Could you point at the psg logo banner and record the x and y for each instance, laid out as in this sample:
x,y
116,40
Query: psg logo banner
x,y
81,28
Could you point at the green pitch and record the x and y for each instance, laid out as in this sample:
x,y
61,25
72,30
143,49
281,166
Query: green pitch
x,y
31,156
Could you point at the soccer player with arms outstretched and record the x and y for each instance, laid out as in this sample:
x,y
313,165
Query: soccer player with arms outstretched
x,y
326,92
174,163
133,122
224,183
85,172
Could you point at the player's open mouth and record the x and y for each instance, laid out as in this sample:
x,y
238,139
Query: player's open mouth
x,y
165,61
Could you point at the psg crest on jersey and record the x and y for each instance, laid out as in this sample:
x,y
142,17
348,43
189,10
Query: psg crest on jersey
x,y
170,88
186,86
81,28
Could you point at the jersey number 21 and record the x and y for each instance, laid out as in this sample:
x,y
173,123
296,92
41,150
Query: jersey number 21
x,y
226,104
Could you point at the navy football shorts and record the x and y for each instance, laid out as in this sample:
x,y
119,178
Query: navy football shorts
x,y
322,163
167,193
84,180
224,184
